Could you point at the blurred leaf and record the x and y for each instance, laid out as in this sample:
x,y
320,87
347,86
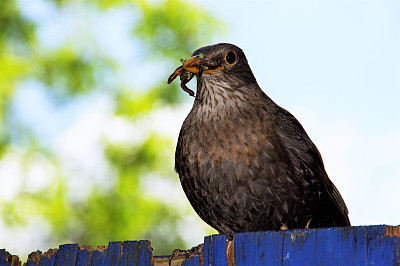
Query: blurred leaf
x,y
134,103
12,68
15,31
173,29
67,73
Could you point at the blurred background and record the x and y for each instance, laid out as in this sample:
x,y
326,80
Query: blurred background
x,y
88,124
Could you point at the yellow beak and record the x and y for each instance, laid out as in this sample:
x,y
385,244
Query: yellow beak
x,y
194,63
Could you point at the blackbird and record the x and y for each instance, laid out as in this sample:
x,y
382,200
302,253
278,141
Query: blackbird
x,y
245,163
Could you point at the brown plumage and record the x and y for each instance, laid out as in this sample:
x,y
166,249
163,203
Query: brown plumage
x,y
245,163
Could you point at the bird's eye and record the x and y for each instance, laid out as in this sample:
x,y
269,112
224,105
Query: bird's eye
x,y
230,57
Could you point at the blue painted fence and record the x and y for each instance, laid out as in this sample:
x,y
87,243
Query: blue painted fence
x,y
361,245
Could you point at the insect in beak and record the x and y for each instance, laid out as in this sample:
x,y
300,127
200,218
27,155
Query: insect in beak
x,y
194,65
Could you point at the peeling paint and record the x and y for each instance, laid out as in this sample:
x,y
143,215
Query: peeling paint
x,y
293,236
392,231
287,256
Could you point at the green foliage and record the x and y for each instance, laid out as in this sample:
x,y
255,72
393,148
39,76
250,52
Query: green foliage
x,y
171,29
52,65
122,211
135,103
14,29
16,34
12,68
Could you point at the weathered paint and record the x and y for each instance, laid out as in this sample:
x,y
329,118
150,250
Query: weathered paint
x,y
111,255
66,255
83,257
259,247
95,259
214,250
362,245
129,250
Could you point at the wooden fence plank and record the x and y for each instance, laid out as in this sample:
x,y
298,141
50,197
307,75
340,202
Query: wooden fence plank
x,y
129,253
95,259
219,250
339,246
83,258
383,249
48,258
214,250
66,255
363,245
245,248
30,263
3,258
299,245
145,255
207,254
193,261
45,261
3,262
258,248
268,252
112,255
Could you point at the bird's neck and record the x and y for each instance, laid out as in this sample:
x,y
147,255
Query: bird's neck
x,y
217,99
213,96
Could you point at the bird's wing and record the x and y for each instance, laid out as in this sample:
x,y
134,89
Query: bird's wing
x,y
305,154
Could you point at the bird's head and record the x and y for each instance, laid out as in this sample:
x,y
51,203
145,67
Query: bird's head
x,y
227,59
222,63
